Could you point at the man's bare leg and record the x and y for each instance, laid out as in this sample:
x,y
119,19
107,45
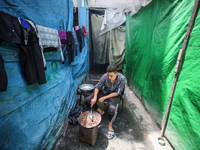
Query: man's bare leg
x,y
101,112
110,126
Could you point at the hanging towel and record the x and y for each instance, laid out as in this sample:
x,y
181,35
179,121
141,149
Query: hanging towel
x,y
49,37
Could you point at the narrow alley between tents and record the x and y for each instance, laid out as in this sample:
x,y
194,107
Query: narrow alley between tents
x,y
48,49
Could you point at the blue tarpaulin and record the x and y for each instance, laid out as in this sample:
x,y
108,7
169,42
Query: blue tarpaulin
x,y
32,116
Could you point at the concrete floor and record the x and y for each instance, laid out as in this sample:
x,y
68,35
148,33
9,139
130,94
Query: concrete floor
x,y
134,127
134,130
148,125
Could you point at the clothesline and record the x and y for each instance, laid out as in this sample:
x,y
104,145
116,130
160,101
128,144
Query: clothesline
x,y
32,39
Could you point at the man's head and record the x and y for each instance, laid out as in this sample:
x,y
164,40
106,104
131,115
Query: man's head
x,y
112,72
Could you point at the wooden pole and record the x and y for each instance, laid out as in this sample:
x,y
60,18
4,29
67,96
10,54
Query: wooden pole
x,y
179,63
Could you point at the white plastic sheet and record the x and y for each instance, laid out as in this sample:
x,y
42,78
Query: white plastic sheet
x,y
114,17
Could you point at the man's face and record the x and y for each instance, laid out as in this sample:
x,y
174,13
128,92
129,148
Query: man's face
x,y
112,76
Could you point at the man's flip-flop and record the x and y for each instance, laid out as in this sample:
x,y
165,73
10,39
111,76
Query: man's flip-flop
x,y
111,134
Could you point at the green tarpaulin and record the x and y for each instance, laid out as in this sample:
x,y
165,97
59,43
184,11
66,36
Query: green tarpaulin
x,y
154,37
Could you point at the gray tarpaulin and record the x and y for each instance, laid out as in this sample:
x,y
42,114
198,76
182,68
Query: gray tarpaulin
x,y
117,46
109,47
114,17
101,43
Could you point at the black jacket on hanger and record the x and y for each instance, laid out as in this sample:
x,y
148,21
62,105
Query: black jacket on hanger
x,y
30,53
31,60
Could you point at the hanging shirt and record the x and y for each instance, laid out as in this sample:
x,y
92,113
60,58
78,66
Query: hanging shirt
x,y
70,50
49,37
76,28
63,37
74,36
80,39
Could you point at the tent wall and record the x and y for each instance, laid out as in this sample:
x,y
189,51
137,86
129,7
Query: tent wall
x,y
32,116
107,4
154,37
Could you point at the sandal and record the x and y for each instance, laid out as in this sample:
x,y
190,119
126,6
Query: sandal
x,y
111,134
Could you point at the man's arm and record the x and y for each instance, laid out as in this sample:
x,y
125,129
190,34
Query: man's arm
x,y
94,100
107,97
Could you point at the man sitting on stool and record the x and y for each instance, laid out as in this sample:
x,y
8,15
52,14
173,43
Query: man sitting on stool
x,y
110,87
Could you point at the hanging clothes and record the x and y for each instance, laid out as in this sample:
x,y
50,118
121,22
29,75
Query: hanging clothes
x,y
33,25
10,30
76,28
83,39
76,41
70,43
30,53
26,28
31,60
63,38
23,23
80,40
49,37
85,32
74,36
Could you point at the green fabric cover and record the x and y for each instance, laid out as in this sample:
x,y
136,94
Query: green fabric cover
x,y
154,37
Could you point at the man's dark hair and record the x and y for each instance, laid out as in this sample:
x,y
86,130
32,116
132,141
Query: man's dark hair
x,y
112,68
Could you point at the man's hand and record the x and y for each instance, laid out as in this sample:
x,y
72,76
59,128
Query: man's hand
x,y
101,100
93,101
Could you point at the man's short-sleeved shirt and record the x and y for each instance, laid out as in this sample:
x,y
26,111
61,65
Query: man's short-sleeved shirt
x,y
108,87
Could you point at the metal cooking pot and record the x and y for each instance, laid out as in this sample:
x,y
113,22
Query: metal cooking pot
x,y
88,133
86,88
86,113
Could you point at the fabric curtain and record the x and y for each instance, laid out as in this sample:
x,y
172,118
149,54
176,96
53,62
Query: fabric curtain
x,y
117,47
101,43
